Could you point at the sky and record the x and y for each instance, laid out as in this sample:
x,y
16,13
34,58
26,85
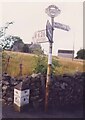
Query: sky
x,y
30,17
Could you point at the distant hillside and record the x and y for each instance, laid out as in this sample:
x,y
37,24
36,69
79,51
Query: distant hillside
x,y
29,61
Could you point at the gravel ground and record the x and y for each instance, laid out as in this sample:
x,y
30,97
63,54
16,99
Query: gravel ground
x,y
9,112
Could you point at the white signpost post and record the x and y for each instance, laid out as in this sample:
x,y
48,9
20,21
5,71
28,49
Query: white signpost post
x,y
51,11
40,37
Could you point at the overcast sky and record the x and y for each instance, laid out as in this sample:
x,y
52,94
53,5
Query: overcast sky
x,y
29,17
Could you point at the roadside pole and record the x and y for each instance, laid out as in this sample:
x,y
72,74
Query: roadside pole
x,y
49,76
49,69
52,11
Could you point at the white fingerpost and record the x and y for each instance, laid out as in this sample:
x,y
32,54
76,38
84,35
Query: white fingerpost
x,y
21,96
51,11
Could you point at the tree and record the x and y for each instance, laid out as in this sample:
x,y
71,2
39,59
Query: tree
x,y
36,49
41,65
7,42
81,54
18,44
3,29
25,48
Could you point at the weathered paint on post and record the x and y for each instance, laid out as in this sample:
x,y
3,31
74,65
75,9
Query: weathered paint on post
x,y
52,11
21,96
49,70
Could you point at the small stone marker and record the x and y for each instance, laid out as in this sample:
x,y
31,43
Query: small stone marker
x,y
21,96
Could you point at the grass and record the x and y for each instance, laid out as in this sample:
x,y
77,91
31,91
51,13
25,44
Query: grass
x,y
70,66
29,61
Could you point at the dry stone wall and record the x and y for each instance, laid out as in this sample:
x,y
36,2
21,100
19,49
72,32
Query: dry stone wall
x,y
64,90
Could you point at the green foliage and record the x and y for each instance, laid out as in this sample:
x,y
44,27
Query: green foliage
x,y
36,49
30,62
55,64
81,54
7,42
41,65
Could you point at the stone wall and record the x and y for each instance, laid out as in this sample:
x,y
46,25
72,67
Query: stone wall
x,y
64,90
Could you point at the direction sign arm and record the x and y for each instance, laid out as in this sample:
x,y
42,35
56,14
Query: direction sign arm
x,y
61,26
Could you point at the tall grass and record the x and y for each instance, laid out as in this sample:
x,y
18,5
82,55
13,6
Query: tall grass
x,y
29,62
69,66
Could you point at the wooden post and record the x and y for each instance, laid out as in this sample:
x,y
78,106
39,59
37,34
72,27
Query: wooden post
x,y
49,70
8,60
20,72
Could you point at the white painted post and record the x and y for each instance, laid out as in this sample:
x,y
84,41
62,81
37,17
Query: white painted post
x,y
52,11
49,70
21,96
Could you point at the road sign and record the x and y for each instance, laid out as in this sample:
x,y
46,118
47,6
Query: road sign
x,y
61,26
40,36
52,11
49,31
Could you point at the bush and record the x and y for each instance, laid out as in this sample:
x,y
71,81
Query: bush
x,y
81,54
25,48
41,65
55,64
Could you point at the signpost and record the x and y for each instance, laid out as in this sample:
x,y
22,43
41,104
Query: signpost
x,y
49,31
40,36
51,11
61,26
